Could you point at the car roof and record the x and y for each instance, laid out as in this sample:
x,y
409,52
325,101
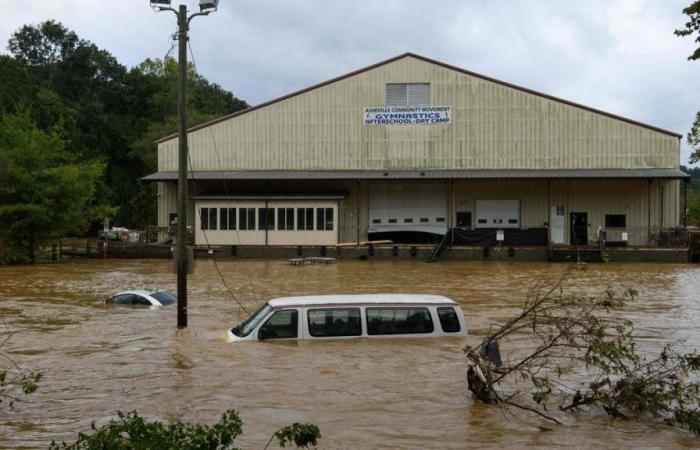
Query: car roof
x,y
138,291
360,299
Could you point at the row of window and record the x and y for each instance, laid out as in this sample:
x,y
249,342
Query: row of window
x,y
498,221
339,322
225,219
409,220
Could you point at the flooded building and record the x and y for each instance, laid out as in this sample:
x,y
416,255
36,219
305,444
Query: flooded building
x,y
410,148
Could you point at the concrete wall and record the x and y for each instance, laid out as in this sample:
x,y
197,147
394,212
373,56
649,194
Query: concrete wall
x,y
493,126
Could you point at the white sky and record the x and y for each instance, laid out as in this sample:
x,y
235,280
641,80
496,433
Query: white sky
x,y
620,56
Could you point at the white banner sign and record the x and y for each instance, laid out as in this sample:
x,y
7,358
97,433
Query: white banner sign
x,y
407,115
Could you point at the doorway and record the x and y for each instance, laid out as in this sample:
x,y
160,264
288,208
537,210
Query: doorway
x,y
578,229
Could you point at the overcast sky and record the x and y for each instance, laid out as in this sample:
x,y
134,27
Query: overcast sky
x,y
617,55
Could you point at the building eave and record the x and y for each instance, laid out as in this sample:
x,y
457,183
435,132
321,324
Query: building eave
x,y
428,175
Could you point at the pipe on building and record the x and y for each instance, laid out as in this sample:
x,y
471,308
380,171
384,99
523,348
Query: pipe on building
x,y
649,212
357,209
685,204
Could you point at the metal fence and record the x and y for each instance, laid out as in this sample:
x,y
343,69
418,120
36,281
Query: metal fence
x,y
642,237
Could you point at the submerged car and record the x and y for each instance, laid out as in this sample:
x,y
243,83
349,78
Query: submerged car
x,y
147,297
352,316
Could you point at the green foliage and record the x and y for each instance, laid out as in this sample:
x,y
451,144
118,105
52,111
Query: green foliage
x,y
14,378
583,355
44,190
692,26
694,140
102,111
303,435
131,431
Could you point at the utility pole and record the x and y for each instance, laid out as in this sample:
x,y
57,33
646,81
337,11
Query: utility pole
x,y
183,23
182,196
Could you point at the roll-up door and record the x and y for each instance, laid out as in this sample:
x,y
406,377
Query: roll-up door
x,y
497,214
408,207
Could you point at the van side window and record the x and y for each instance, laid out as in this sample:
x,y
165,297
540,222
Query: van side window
x,y
334,322
448,319
398,320
282,325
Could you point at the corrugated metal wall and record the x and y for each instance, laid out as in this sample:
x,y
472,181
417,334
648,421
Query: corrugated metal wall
x,y
494,126
634,199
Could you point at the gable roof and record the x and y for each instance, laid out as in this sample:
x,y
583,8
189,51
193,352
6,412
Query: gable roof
x,y
431,61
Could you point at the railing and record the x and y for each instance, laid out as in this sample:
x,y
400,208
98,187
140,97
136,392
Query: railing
x,y
642,237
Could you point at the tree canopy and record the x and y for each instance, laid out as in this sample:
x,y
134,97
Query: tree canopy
x,y
83,109
692,28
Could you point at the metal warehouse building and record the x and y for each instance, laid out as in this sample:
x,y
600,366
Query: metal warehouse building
x,y
410,148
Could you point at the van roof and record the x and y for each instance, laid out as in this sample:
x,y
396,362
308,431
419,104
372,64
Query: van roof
x,y
359,299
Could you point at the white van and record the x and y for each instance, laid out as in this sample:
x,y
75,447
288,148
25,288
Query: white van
x,y
352,316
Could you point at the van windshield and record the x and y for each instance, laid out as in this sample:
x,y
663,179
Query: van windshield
x,y
249,325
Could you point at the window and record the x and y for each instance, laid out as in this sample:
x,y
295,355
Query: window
x,y
404,320
208,219
227,216
407,220
324,219
249,325
246,218
615,221
139,300
165,298
334,322
285,219
282,325
424,220
376,220
266,218
392,220
440,220
448,319
305,218
407,94
123,299
172,219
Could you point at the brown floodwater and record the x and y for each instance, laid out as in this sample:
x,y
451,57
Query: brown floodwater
x,y
392,393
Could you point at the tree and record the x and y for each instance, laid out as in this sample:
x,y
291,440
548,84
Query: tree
x,y
14,378
131,431
106,111
571,352
692,27
45,190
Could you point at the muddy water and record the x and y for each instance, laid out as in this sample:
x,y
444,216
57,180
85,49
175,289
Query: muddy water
x,y
363,394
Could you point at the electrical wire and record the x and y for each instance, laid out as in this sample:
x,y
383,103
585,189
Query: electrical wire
x,y
204,232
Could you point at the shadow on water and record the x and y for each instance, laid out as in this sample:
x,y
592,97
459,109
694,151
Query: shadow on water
x,y
395,393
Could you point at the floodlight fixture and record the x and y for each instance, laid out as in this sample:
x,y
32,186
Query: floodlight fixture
x,y
160,2
207,6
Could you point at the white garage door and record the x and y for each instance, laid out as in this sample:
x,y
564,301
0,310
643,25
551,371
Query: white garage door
x,y
408,207
497,214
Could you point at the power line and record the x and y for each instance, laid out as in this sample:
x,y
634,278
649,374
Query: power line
x,y
238,239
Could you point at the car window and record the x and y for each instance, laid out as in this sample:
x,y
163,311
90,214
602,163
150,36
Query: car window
x,y
281,325
398,320
123,299
334,322
141,300
164,297
448,319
